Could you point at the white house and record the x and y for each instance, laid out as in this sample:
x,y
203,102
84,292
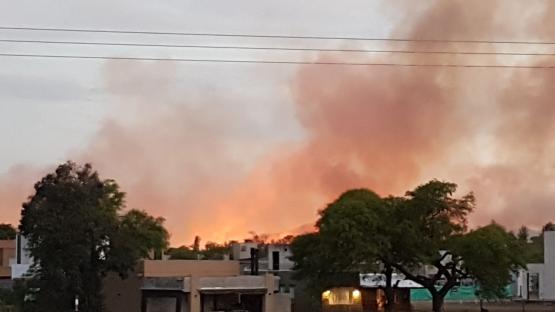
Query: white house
x,y
22,262
537,282
279,257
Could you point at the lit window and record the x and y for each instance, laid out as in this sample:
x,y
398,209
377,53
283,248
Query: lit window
x,y
341,296
356,294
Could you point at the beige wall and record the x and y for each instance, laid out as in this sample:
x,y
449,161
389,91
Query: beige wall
x,y
205,268
197,272
7,251
122,295
282,303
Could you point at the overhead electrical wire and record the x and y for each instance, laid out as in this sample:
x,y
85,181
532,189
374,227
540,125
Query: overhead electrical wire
x,y
338,63
270,48
236,47
208,34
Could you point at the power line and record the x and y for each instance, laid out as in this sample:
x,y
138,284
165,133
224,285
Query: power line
x,y
234,47
117,31
271,61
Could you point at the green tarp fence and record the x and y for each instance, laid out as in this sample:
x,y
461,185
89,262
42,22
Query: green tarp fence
x,y
462,293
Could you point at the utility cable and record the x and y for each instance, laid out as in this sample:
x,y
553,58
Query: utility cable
x,y
338,63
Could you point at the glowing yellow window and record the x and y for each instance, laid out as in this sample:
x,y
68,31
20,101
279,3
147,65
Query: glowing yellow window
x,y
341,296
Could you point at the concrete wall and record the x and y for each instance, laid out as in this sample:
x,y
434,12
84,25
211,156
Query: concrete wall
x,y
241,251
546,271
122,295
205,268
238,282
7,251
161,304
548,283
170,301
21,261
203,274
284,253
282,303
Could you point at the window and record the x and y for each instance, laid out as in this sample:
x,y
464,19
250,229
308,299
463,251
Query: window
x,y
533,285
275,260
341,296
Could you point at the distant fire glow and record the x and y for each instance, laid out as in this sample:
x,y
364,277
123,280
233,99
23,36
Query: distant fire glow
x,y
384,128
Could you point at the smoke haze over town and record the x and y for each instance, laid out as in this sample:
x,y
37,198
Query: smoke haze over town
x,y
220,150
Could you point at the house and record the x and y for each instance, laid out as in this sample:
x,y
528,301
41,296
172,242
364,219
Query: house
x,y
366,294
180,286
21,260
537,282
268,258
194,286
7,251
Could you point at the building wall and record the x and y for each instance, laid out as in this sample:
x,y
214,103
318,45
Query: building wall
x,y
545,271
241,251
173,268
282,303
21,261
284,251
161,304
209,275
548,283
122,295
7,251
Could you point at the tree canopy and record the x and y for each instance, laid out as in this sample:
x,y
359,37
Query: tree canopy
x,y
211,251
488,254
351,238
77,234
427,227
7,231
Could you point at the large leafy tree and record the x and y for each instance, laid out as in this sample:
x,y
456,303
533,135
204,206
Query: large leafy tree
x,y
313,269
77,234
426,228
488,254
138,235
433,223
353,236
350,229
7,231
429,217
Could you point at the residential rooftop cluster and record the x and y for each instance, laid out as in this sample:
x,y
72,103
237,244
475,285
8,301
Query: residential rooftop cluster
x,y
259,277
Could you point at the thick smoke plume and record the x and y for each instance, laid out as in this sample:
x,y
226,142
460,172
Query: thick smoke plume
x,y
386,128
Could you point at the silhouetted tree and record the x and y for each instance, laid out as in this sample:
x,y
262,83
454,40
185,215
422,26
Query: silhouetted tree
x,y
76,236
196,244
425,227
7,231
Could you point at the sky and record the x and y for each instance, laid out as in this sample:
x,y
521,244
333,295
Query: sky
x,y
224,149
